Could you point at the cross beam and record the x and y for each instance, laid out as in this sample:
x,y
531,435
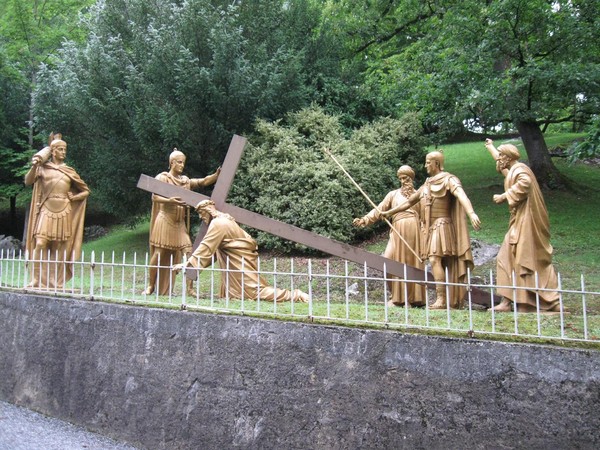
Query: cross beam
x,y
303,237
225,180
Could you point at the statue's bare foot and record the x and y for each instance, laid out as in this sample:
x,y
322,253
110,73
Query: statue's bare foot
x,y
438,305
504,306
391,304
191,292
149,290
302,297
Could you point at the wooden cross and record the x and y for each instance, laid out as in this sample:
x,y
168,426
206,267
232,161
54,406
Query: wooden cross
x,y
284,230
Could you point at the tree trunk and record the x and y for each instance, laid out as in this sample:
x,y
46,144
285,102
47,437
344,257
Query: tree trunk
x,y
540,162
13,208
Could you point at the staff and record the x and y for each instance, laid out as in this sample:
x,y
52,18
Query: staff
x,y
328,153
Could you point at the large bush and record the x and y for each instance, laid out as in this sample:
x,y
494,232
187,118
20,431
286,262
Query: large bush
x,y
285,174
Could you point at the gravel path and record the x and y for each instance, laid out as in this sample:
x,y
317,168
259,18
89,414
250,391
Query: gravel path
x,y
22,429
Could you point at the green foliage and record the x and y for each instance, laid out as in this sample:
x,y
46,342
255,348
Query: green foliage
x,y
286,175
482,63
156,75
589,147
30,33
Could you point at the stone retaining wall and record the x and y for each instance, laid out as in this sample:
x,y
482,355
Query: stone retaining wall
x,y
163,379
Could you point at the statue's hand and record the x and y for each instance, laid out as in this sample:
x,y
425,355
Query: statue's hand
x,y
499,198
475,221
178,201
488,142
358,222
177,268
70,196
36,160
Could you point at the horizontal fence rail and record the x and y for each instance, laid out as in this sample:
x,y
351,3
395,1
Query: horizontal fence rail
x,y
338,292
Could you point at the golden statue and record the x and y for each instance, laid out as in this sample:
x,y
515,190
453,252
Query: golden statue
x,y
405,224
235,249
446,239
56,215
526,248
169,226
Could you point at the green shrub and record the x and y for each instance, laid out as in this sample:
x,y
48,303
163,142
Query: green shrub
x,y
285,175
589,147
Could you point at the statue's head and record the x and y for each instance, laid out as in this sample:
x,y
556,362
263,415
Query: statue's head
x,y
434,160
175,154
509,151
176,162
206,209
406,174
58,145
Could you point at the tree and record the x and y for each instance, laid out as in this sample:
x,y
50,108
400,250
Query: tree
x,y
528,63
30,33
156,75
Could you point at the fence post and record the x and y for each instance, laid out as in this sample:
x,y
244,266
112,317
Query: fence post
x,y
92,266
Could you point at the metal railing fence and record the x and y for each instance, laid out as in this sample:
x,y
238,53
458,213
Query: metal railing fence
x,y
339,292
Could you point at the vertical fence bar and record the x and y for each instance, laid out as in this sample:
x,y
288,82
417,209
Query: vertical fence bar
x,y
310,295
26,269
183,283
447,289
243,286
327,289
170,275
258,284
537,303
112,274
386,318
469,299
64,287
133,284
12,275
275,283
146,269
292,284
493,311
347,294
583,304
156,280
123,278
426,297
227,283
56,272
405,292
366,288
515,306
82,264
102,275
92,266
562,311
1,267
19,269
212,281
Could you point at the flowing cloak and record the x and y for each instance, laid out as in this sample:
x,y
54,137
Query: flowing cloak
x,y
406,223
453,236
73,244
526,247
170,232
237,252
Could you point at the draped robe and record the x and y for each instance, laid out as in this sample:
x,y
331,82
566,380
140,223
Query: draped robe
x,y
238,252
526,248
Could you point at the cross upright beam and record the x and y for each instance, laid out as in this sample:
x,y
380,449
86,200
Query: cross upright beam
x,y
225,180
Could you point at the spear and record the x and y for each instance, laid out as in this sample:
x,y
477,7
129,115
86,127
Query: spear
x,y
328,153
